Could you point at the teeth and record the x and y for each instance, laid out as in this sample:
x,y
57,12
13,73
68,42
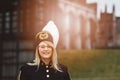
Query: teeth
x,y
46,53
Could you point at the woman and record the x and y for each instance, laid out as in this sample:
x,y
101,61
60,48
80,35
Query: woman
x,y
45,65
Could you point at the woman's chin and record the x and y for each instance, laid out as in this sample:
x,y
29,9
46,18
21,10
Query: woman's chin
x,y
46,57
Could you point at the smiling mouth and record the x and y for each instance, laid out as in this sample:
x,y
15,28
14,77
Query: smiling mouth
x,y
46,53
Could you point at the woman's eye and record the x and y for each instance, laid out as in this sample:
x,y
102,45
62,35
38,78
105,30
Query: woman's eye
x,y
42,46
48,47
45,46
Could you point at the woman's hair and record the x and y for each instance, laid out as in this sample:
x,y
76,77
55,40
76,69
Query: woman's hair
x,y
54,60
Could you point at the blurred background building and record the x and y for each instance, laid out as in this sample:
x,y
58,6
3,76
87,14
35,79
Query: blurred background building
x,y
77,22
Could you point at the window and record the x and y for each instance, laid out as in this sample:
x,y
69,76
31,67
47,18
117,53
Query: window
x,y
7,22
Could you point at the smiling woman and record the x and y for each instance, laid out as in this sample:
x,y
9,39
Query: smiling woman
x,y
45,65
45,50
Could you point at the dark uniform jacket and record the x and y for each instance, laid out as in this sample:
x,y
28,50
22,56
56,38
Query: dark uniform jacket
x,y
43,73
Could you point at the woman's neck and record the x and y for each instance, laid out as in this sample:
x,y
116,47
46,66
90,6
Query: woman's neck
x,y
46,61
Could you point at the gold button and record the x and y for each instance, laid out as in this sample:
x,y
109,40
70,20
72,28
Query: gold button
x,y
47,70
47,76
46,66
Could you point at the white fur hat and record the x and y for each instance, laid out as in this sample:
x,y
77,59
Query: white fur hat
x,y
53,30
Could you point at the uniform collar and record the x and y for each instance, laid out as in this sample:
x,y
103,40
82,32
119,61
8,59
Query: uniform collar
x,y
43,64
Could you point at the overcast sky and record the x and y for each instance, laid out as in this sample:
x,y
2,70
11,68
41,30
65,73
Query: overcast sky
x,y
109,4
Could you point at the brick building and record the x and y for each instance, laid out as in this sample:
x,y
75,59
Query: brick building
x,y
79,28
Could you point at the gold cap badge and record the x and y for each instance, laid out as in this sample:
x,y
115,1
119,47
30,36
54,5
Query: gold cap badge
x,y
43,35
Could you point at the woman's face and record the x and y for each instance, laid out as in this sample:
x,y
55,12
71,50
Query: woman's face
x,y
45,50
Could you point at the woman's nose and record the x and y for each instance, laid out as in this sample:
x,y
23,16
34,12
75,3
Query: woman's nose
x,y
46,48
